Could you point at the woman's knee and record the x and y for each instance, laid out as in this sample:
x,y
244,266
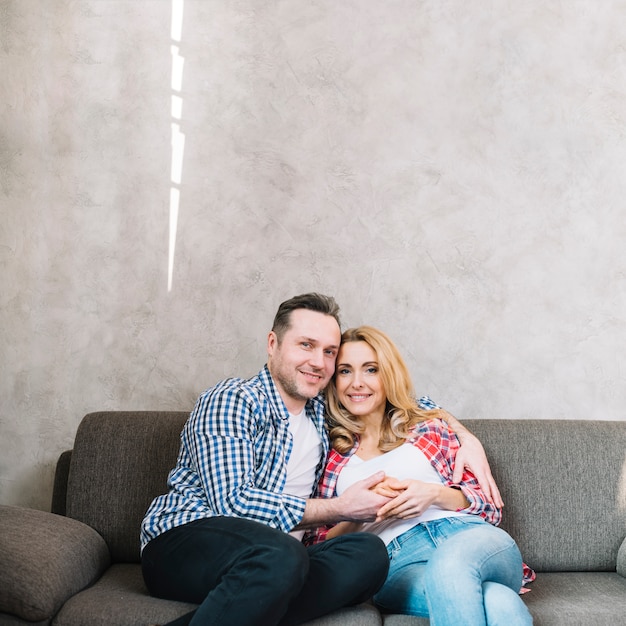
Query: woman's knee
x,y
468,559
504,606
483,549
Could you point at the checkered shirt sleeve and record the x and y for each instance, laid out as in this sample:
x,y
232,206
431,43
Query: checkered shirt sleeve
x,y
232,460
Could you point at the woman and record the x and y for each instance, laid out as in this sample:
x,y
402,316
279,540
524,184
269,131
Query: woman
x,y
449,562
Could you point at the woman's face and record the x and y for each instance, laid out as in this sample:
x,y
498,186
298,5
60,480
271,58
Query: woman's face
x,y
358,382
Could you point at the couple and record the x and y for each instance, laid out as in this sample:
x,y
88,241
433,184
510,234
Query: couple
x,y
246,487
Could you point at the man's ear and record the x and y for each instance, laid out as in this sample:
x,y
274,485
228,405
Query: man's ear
x,y
272,342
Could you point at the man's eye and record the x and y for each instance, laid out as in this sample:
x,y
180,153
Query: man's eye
x,y
305,344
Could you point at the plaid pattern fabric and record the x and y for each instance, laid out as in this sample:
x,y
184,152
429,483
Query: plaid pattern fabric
x,y
233,459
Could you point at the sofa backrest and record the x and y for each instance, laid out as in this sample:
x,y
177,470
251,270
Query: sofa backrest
x,y
563,482
564,488
119,463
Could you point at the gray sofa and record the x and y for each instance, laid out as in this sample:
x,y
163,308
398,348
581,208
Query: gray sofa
x,y
564,485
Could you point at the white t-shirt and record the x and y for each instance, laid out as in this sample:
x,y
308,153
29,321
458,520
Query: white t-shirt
x,y
404,462
304,459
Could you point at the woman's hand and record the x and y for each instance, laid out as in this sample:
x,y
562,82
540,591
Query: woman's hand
x,y
415,496
385,487
412,498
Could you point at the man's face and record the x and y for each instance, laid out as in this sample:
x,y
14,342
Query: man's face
x,y
303,363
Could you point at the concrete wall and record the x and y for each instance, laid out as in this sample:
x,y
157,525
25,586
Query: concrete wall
x,y
452,172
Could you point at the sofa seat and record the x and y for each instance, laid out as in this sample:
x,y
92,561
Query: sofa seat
x,y
577,598
121,599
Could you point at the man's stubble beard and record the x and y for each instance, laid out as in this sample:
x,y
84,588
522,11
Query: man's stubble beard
x,y
290,387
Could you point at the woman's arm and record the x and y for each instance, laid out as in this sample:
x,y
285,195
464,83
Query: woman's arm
x,y
471,455
343,528
441,447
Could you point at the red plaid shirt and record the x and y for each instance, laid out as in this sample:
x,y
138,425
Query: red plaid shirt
x,y
440,446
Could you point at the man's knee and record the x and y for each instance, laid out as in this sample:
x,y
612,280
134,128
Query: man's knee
x,y
287,560
290,554
255,555
370,547
365,556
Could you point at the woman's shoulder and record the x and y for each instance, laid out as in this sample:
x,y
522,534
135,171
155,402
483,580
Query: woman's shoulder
x,y
430,426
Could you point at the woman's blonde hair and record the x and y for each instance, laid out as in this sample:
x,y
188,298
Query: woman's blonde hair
x,y
402,411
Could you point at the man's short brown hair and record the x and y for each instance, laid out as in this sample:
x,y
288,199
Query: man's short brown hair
x,y
310,301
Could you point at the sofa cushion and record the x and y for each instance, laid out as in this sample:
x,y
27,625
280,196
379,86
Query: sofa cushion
x,y
119,463
44,560
360,615
121,599
13,620
577,599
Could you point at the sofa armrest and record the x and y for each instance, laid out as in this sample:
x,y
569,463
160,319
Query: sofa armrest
x,y
44,560
621,559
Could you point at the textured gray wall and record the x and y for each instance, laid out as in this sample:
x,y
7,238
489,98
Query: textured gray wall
x,y
451,171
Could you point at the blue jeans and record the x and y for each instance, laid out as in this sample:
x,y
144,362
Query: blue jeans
x,y
455,570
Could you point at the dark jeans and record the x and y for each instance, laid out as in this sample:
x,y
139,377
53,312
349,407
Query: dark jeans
x,y
242,572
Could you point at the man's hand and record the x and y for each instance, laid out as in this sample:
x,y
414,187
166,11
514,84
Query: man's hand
x,y
362,500
471,455
358,503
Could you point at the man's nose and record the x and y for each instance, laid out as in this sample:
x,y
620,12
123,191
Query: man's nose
x,y
317,358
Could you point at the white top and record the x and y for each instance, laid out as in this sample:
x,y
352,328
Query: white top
x,y
404,462
304,459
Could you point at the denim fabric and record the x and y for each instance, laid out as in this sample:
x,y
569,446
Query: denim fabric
x,y
456,570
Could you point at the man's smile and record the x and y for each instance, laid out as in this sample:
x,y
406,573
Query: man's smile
x,y
313,376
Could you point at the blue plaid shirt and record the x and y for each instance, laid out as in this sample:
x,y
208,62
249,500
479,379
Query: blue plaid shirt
x,y
233,459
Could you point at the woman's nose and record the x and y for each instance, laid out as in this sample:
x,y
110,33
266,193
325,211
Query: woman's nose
x,y
356,382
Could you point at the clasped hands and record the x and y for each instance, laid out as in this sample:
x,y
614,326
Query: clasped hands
x,y
409,498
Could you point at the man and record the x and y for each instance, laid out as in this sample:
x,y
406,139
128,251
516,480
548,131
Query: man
x,y
226,535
